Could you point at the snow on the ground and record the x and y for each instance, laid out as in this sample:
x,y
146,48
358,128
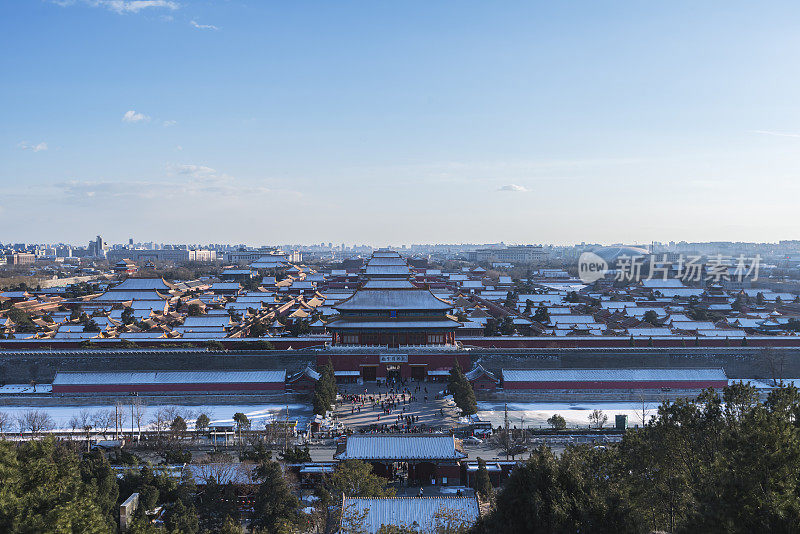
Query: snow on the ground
x,y
12,389
219,414
536,414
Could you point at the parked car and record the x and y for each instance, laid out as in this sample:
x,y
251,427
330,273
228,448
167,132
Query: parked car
x,y
483,432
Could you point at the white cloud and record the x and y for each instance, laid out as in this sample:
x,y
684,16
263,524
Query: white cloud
x,y
196,171
133,116
133,6
203,26
36,148
182,182
167,124
201,178
513,188
92,189
777,134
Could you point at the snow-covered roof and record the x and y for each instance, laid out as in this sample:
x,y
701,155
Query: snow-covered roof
x,y
143,284
571,319
225,286
342,322
649,332
722,332
658,283
205,321
393,299
167,377
684,292
400,447
423,512
387,284
387,270
693,325
612,375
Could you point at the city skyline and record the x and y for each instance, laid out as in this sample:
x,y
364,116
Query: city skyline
x,y
653,246
454,122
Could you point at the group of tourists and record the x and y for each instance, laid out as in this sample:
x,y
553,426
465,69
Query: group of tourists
x,y
396,429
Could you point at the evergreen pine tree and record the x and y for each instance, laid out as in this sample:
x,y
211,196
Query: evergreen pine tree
x,y
463,395
325,389
483,484
275,504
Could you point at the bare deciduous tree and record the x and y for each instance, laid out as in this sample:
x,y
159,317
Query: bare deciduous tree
x,y
774,361
511,442
102,420
5,423
139,410
85,423
224,472
119,412
597,419
85,419
271,434
161,420
646,408
74,423
36,421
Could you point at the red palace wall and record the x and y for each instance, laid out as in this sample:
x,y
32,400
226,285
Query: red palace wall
x,y
614,384
354,362
229,343
166,388
514,342
302,384
452,472
483,384
625,342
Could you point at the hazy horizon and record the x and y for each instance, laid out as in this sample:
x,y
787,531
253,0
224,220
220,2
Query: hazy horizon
x,y
413,122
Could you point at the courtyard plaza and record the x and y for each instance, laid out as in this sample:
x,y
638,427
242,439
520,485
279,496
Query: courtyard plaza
x,y
373,405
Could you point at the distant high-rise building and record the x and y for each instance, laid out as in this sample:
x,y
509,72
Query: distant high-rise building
x,y
97,248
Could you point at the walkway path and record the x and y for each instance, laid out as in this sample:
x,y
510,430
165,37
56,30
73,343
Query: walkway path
x,y
436,413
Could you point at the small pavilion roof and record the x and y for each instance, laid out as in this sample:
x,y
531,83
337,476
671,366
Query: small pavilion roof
x,y
479,371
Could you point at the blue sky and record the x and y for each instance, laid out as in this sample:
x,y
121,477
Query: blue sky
x,y
398,122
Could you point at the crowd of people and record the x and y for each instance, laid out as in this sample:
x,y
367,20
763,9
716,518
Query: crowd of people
x,y
389,402
391,408
397,429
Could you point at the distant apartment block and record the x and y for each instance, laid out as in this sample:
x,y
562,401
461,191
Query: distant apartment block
x,y
161,255
20,258
517,254
246,257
